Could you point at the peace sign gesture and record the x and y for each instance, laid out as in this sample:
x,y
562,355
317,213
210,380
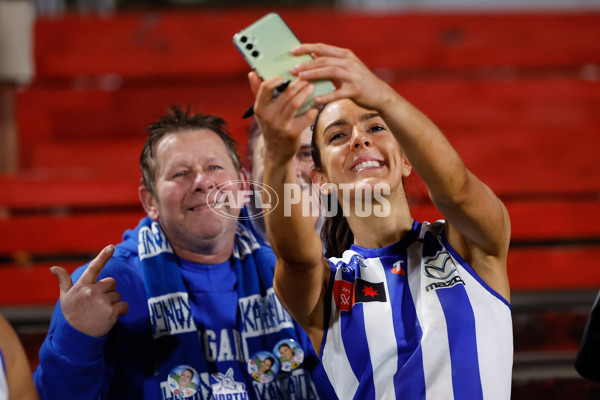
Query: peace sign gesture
x,y
91,307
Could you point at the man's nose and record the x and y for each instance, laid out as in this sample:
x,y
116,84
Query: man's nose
x,y
203,182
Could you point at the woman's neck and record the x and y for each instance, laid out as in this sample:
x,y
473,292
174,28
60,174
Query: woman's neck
x,y
373,231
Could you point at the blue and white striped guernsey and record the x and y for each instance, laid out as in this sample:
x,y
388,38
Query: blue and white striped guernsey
x,y
414,321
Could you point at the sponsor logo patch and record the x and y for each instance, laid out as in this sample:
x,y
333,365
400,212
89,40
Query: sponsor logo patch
x,y
438,285
346,294
440,266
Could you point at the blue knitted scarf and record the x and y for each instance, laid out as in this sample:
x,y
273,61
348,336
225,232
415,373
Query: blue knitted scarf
x,y
176,339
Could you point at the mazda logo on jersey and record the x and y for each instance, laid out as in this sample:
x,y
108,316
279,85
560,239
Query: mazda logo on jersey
x,y
439,266
346,294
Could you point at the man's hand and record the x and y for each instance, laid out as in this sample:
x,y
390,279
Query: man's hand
x,y
91,307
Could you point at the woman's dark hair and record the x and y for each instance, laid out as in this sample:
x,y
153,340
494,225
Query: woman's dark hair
x,y
272,362
336,233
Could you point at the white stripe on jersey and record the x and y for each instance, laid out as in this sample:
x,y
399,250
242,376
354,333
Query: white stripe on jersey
x,y
493,336
335,358
381,336
437,367
434,343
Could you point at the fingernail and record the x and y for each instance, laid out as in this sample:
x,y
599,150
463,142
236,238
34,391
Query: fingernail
x,y
109,248
52,270
294,70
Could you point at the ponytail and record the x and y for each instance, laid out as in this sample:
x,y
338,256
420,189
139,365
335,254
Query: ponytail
x,y
336,234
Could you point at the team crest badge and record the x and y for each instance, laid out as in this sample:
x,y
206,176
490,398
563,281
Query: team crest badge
x,y
440,266
226,385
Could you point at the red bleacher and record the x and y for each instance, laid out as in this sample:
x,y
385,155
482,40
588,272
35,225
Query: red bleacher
x,y
517,94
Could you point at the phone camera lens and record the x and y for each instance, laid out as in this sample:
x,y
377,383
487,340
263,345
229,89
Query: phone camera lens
x,y
255,53
243,39
249,46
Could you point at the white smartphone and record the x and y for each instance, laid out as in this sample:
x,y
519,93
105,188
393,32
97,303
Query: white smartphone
x,y
266,45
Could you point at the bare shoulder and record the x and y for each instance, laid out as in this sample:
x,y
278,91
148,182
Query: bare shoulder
x,y
491,267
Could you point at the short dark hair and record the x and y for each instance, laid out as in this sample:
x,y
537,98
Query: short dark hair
x,y
176,120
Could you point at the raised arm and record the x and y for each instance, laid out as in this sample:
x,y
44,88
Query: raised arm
x,y
72,365
478,226
301,268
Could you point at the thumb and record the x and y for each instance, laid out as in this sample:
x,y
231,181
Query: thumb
x,y
64,279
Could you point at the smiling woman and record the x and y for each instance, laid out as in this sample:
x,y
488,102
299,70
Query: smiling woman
x,y
405,308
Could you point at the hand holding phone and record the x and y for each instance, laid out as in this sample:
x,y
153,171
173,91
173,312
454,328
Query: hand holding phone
x,y
266,45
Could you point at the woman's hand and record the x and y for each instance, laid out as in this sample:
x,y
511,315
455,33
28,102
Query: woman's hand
x,y
276,116
354,79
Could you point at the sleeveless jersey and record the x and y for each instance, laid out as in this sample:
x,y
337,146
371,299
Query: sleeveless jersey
x,y
414,321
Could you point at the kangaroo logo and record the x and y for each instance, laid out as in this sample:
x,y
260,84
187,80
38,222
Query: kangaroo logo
x,y
439,266
226,384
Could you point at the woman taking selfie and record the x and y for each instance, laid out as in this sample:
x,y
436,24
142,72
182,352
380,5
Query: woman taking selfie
x,y
403,309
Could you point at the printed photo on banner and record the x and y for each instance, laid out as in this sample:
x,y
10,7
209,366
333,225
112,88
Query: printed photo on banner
x,y
183,381
263,366
289,353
